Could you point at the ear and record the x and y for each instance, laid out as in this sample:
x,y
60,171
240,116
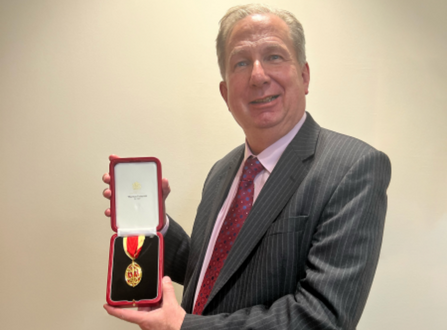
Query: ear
x,y
224,91
305,74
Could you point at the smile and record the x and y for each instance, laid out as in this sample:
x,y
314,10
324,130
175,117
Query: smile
x,y
265,100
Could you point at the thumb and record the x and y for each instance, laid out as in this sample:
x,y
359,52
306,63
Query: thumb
x,y
168,291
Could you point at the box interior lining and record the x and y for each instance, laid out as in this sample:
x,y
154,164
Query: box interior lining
x,y
147,289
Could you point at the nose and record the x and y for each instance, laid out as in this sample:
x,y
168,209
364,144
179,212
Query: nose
x,y
258,75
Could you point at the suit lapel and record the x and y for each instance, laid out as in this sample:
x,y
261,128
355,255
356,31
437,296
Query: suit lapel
x,y
220,184
224,180
283,182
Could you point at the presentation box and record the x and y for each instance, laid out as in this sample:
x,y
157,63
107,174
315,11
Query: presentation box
x,y
136,250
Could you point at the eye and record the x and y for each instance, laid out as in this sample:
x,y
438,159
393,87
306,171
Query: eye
x,y
241,64
274,57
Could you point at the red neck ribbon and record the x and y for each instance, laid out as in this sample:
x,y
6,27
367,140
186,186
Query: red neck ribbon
x,y
132,246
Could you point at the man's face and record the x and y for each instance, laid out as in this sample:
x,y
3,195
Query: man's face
x,y
264,85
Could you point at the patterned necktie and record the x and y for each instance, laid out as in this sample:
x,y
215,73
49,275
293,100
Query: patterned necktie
x,y
237,213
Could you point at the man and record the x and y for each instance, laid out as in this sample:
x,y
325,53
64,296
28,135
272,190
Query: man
x,y
304,253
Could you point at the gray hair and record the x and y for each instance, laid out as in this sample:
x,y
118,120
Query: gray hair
x,y
237,13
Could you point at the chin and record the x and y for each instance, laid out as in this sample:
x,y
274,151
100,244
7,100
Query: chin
x,y
267,121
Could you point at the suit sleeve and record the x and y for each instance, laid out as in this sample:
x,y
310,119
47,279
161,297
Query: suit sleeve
x,y
176,252
341,261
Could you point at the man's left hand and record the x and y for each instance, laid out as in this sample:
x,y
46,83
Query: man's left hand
x,y
169,316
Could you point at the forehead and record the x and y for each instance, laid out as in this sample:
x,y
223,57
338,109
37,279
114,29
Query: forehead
x,y
257,28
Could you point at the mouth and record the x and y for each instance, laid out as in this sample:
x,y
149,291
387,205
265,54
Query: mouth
x,y
265,99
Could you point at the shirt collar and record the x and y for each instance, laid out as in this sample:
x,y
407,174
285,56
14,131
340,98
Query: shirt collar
x,y
269,157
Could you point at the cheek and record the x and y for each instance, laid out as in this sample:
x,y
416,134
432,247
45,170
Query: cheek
x,y
239,82
237,95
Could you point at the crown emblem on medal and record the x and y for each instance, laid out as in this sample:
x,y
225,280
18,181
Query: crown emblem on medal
x,y
136,186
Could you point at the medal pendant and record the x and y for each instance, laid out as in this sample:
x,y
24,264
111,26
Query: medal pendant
x,y
133,274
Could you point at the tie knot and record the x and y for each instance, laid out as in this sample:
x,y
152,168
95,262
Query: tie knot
x,y
252,167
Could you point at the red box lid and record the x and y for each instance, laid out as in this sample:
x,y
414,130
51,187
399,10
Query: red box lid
x,y
136,204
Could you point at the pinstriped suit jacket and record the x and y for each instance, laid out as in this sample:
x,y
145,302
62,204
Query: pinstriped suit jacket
x,y
306,255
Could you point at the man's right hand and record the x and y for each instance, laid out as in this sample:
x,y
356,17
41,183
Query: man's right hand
x,y
107,193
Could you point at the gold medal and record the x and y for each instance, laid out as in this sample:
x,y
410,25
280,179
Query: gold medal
x,y
133,274
132,247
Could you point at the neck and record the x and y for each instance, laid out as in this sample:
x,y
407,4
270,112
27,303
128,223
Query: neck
x,y
259,142
257,146
260,139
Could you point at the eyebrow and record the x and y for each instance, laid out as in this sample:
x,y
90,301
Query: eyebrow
x,y
235,52
268,47
276,46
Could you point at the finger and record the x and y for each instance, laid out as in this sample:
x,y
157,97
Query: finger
x,y
125,314
107,193
112,156
106,178
108,213
166,189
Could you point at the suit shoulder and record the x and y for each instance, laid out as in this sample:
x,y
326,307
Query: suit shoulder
x,y
344,148
338,156
340,140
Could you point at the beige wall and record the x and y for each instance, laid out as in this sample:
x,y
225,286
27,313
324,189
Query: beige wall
x,y
80,80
